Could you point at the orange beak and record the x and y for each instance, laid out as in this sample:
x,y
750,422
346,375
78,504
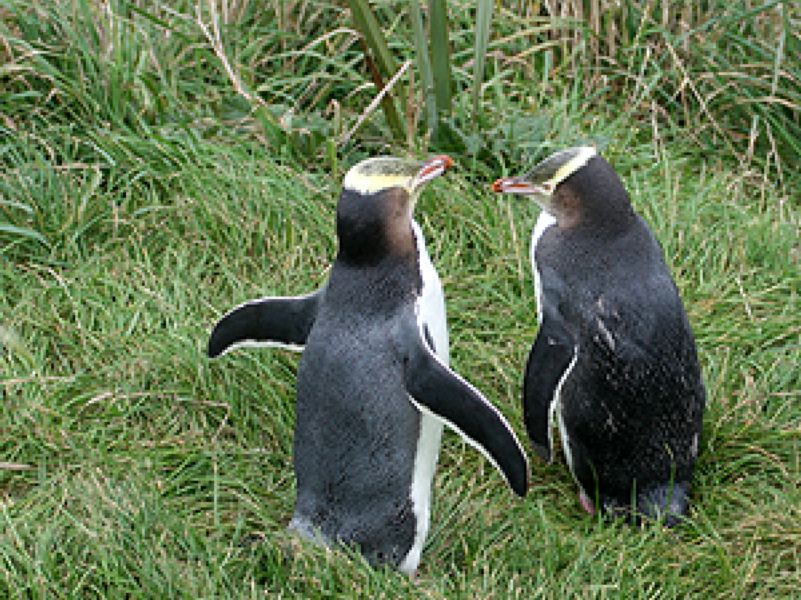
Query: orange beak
x,y
515,185
434,167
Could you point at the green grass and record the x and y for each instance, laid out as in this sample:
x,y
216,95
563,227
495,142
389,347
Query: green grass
x,y
140,197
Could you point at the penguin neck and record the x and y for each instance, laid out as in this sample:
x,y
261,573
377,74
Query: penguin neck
x,y
378,246
597,223
381,271
391,281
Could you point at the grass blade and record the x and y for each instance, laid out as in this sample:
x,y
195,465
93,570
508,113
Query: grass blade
x,y
23,232
483,25
367,23
364,20
423,64
440,56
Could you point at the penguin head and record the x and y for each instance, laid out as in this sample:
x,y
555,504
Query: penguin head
x,y
375,207
577,186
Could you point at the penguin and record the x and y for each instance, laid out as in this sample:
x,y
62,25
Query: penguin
x,y
373,383
614,359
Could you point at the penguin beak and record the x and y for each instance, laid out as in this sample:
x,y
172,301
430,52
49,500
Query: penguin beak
x,y
522,186
431,169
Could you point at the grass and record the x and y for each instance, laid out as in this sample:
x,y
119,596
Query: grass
x,y
141,196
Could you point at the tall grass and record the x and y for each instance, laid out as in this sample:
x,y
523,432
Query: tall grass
x,y
300,74
160,162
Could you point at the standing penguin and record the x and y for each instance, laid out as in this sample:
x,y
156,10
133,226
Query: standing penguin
x,y
614,359
373,385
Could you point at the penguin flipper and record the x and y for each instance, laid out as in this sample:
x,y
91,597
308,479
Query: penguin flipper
x,y
549,359
435,389
274,321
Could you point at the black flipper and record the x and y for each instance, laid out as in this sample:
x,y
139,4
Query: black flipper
x,y
550,356
436,389
279,321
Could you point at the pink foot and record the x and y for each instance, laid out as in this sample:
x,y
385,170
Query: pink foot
x,y
586,502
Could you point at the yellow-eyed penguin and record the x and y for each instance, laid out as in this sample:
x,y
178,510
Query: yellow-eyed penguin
x,y
614,359
373,383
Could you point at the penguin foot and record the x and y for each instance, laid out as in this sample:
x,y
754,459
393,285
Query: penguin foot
x,y
586,502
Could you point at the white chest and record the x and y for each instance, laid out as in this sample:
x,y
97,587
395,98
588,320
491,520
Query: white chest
x,y
544,222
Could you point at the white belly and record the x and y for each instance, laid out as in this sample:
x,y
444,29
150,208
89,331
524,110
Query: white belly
x,y
431,313
544,221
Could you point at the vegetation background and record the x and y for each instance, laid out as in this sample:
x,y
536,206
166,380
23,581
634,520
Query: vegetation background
x,y
162,161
